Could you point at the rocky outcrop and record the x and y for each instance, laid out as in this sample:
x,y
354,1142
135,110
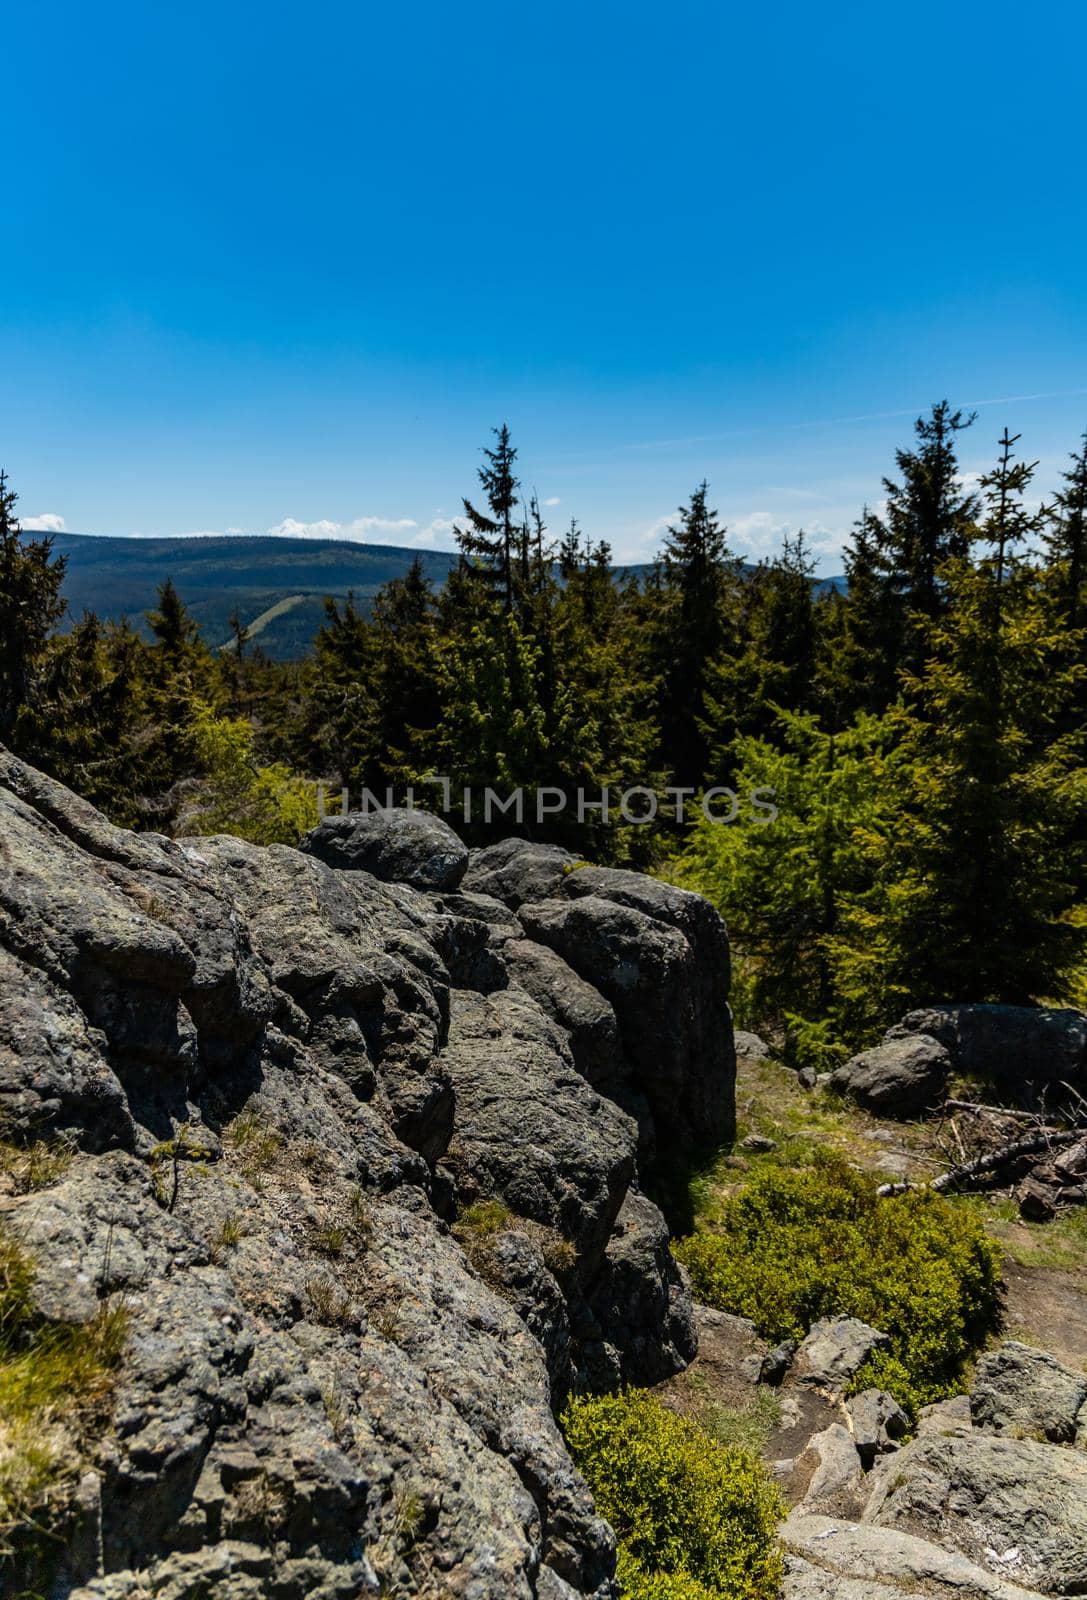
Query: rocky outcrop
x,y
988,1498
395,846
1017,1048
830,1559
1013,1506
355,1134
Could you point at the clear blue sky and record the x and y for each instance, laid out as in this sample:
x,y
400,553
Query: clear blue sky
x,y
272,263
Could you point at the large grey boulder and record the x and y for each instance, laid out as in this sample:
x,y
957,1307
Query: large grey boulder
x,y
642,1322
1015,1507
282,1084
832,1559
581,1011
899,1078
1011,1046
1022,1391
396,846
529,1129
832,1466
517,870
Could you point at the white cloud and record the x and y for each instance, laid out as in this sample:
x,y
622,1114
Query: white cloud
x,y
365,529
47,522
553,501
439,528
755,537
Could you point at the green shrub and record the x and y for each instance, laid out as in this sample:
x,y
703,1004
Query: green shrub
x,y
798,1245
694,1520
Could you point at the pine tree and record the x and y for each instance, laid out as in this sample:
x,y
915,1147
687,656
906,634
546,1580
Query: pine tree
x,y
406,691
978,873
488,542
873,622
1007,521
1066,541
84,724
342,738
30,608
691,630
929,521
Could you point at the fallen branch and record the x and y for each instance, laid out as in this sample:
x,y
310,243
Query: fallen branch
x,y
961,1176
990,1111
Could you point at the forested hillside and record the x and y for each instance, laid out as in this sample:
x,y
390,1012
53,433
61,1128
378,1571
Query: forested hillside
x,y
276,586
923,735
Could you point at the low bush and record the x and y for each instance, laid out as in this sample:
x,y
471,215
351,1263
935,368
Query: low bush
x,y
797,1245
694,1520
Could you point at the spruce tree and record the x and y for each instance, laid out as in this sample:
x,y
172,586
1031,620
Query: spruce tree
x,y
691,629
1066,541
979,870
488,542
873,620
929,521
1007,521
30,608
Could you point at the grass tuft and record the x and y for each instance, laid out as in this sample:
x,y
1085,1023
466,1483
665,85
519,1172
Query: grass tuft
x,y
54,1380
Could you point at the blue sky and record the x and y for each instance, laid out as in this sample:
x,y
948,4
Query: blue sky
x,y
278,266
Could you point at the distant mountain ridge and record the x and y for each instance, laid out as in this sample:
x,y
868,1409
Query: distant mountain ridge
x,y
277,584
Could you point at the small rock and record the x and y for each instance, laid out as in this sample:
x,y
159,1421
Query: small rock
x,y
877,1421
834,1351
750,1046
758,1143
775,1364
807,1078
1037,1201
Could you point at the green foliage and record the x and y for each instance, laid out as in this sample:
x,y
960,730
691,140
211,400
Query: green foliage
x,y
483,1219
30,607
53,1379
976,876
34,1164
797,1245
778,884
924,735
693,1519
264,804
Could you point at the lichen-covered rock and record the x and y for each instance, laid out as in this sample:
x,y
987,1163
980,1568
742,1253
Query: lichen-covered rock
x,y
1022,1391
834,1351
877,1422
1016,1507
831,1559
665,972
282,1086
